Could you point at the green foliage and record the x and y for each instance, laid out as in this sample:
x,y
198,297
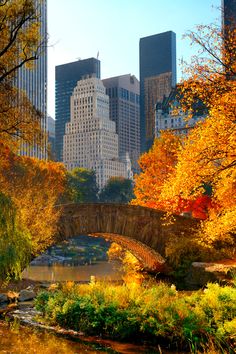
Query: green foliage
x,y
117,190
81,186
15,243
153,313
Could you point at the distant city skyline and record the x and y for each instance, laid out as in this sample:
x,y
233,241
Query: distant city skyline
x,y
112,30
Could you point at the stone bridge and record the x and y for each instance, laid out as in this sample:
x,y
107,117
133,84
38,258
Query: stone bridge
x,y
141,230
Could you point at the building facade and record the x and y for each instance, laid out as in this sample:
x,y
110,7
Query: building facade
x,y
229,27
170,117
157,61
34,82
229,13
67,76
123,92
90,139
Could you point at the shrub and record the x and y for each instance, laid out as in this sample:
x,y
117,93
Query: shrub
x,y
148,312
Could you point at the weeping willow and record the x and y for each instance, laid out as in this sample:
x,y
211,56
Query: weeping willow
x,y
15,241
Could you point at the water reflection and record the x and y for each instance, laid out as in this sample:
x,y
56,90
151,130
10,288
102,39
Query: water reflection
x,y
101,271
20,340
15,339
77,260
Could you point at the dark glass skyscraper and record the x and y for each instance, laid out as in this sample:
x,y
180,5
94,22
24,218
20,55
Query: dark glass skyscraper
x,y
228,26
229,13
67,76
157,61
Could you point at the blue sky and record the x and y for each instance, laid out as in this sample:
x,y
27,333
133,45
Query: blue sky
x,y
82,28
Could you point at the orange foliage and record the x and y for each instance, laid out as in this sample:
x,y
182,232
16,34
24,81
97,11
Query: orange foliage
x,y
207,155
199,207
34,186
209,73
156,165
20,45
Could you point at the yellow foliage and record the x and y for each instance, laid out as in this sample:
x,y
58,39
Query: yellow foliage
x,y
20,45
157,164
132,267
34,186
206,160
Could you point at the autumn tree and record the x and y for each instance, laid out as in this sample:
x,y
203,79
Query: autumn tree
x,y
211,72
29,188
20,46
207,157
117,190
156,166
209,154
34,186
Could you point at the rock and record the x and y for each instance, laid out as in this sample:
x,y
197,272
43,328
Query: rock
x,y
44,285
202,273
26,295
3,298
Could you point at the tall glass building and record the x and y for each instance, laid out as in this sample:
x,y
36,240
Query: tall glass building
x,y
228,27
34,82
157,65
67,76
229,13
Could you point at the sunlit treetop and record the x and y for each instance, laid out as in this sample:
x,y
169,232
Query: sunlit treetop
x,y
20,42
20,46
212,70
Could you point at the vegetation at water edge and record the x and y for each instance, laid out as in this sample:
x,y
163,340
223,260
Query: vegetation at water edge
x,y
154,313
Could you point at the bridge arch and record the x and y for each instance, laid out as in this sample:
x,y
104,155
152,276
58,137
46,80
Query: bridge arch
x,y
138,229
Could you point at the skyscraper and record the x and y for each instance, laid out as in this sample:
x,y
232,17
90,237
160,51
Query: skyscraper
x,y
67,76
229,13
157,61
90,139
34,82
123,92
229,26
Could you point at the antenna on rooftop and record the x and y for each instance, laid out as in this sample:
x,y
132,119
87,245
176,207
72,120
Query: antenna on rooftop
x,y
97,54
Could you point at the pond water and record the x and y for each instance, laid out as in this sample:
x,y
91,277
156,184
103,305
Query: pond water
x,y
18,339
76,260
101,270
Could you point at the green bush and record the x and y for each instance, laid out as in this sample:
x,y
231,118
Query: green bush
x,y
153,313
